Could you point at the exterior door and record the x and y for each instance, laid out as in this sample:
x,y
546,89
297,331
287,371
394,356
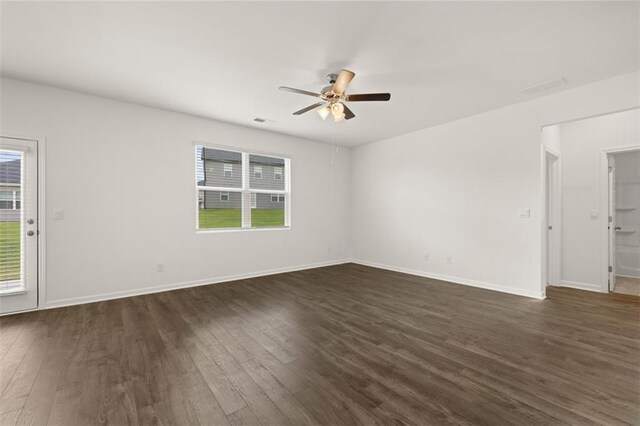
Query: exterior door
x,y
18,225
612,223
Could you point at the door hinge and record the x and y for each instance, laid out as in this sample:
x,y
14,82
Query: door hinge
x,y
610,268
610,219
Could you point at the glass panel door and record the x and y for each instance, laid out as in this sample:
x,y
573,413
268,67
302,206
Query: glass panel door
x,y
18,225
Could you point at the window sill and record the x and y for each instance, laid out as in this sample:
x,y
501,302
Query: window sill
x,y
223,230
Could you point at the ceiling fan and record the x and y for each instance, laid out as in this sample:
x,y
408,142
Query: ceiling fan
x,y
333,97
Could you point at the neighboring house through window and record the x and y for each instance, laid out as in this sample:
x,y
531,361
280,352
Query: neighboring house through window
x,y
9,200
242,190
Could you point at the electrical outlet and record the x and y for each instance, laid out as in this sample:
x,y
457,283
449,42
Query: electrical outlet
x,y
426,257
160,267
449,260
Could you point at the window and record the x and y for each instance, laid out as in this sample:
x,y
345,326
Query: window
x,y
9,200
228,170
243,199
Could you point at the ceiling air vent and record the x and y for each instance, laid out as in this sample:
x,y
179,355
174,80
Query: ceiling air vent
x,y
547,85
263,120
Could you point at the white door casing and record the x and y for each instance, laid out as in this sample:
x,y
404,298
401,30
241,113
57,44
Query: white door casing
x,y
612,222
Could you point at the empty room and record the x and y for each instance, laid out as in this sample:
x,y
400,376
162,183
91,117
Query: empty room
x,y
319,213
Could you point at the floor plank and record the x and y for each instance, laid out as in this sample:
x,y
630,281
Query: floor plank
x,y
346,344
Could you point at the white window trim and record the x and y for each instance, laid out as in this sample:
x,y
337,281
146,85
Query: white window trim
x,y
246,191
255,172
226,194
277,173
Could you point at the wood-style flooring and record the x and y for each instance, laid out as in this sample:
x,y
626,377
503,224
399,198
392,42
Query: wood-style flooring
x,y
627,285
341,345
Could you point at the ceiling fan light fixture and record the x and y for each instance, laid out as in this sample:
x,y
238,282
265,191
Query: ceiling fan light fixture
x,y
332,99
337,110
323,111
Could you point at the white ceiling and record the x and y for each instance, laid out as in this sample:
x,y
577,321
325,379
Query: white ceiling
x,y
440,61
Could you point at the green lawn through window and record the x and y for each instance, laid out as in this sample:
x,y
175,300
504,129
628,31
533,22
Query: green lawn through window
x,y
9,251
232,218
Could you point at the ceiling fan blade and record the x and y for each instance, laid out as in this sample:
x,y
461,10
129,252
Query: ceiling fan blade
x,y
309,108
343,80
365,97
348,114
301,92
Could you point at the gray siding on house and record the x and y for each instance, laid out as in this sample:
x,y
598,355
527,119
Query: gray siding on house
x,y
211,200
222,168
214,174
263,201
10,215
10,171
268,165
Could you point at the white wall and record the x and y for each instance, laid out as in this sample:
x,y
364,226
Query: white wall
x,y
582,144
124,175
454,190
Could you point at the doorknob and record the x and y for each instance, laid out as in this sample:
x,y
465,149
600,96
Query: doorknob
x,y
618,228
30,233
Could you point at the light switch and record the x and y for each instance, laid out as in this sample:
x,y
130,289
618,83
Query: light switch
x,y
594,214
58,214
524,213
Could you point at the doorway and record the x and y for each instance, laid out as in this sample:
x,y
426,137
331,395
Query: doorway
x,y
18,225
624,222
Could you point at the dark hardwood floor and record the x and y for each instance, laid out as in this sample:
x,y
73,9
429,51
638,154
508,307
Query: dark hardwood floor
x,y
340,345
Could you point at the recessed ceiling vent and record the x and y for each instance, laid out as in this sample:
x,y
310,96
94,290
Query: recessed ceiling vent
x,y
543,87
263,120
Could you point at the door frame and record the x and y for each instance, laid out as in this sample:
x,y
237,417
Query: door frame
x,y
42,242
551,250
605,249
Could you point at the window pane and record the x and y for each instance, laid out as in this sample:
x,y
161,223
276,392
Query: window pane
x,y
219,209
216,167
263,172
269,210
11,255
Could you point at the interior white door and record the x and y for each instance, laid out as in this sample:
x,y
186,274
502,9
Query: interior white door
x,y
18,225
612,223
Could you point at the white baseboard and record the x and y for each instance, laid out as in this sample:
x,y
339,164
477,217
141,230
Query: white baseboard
x,y
628,276
455,280
581,286
158,289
